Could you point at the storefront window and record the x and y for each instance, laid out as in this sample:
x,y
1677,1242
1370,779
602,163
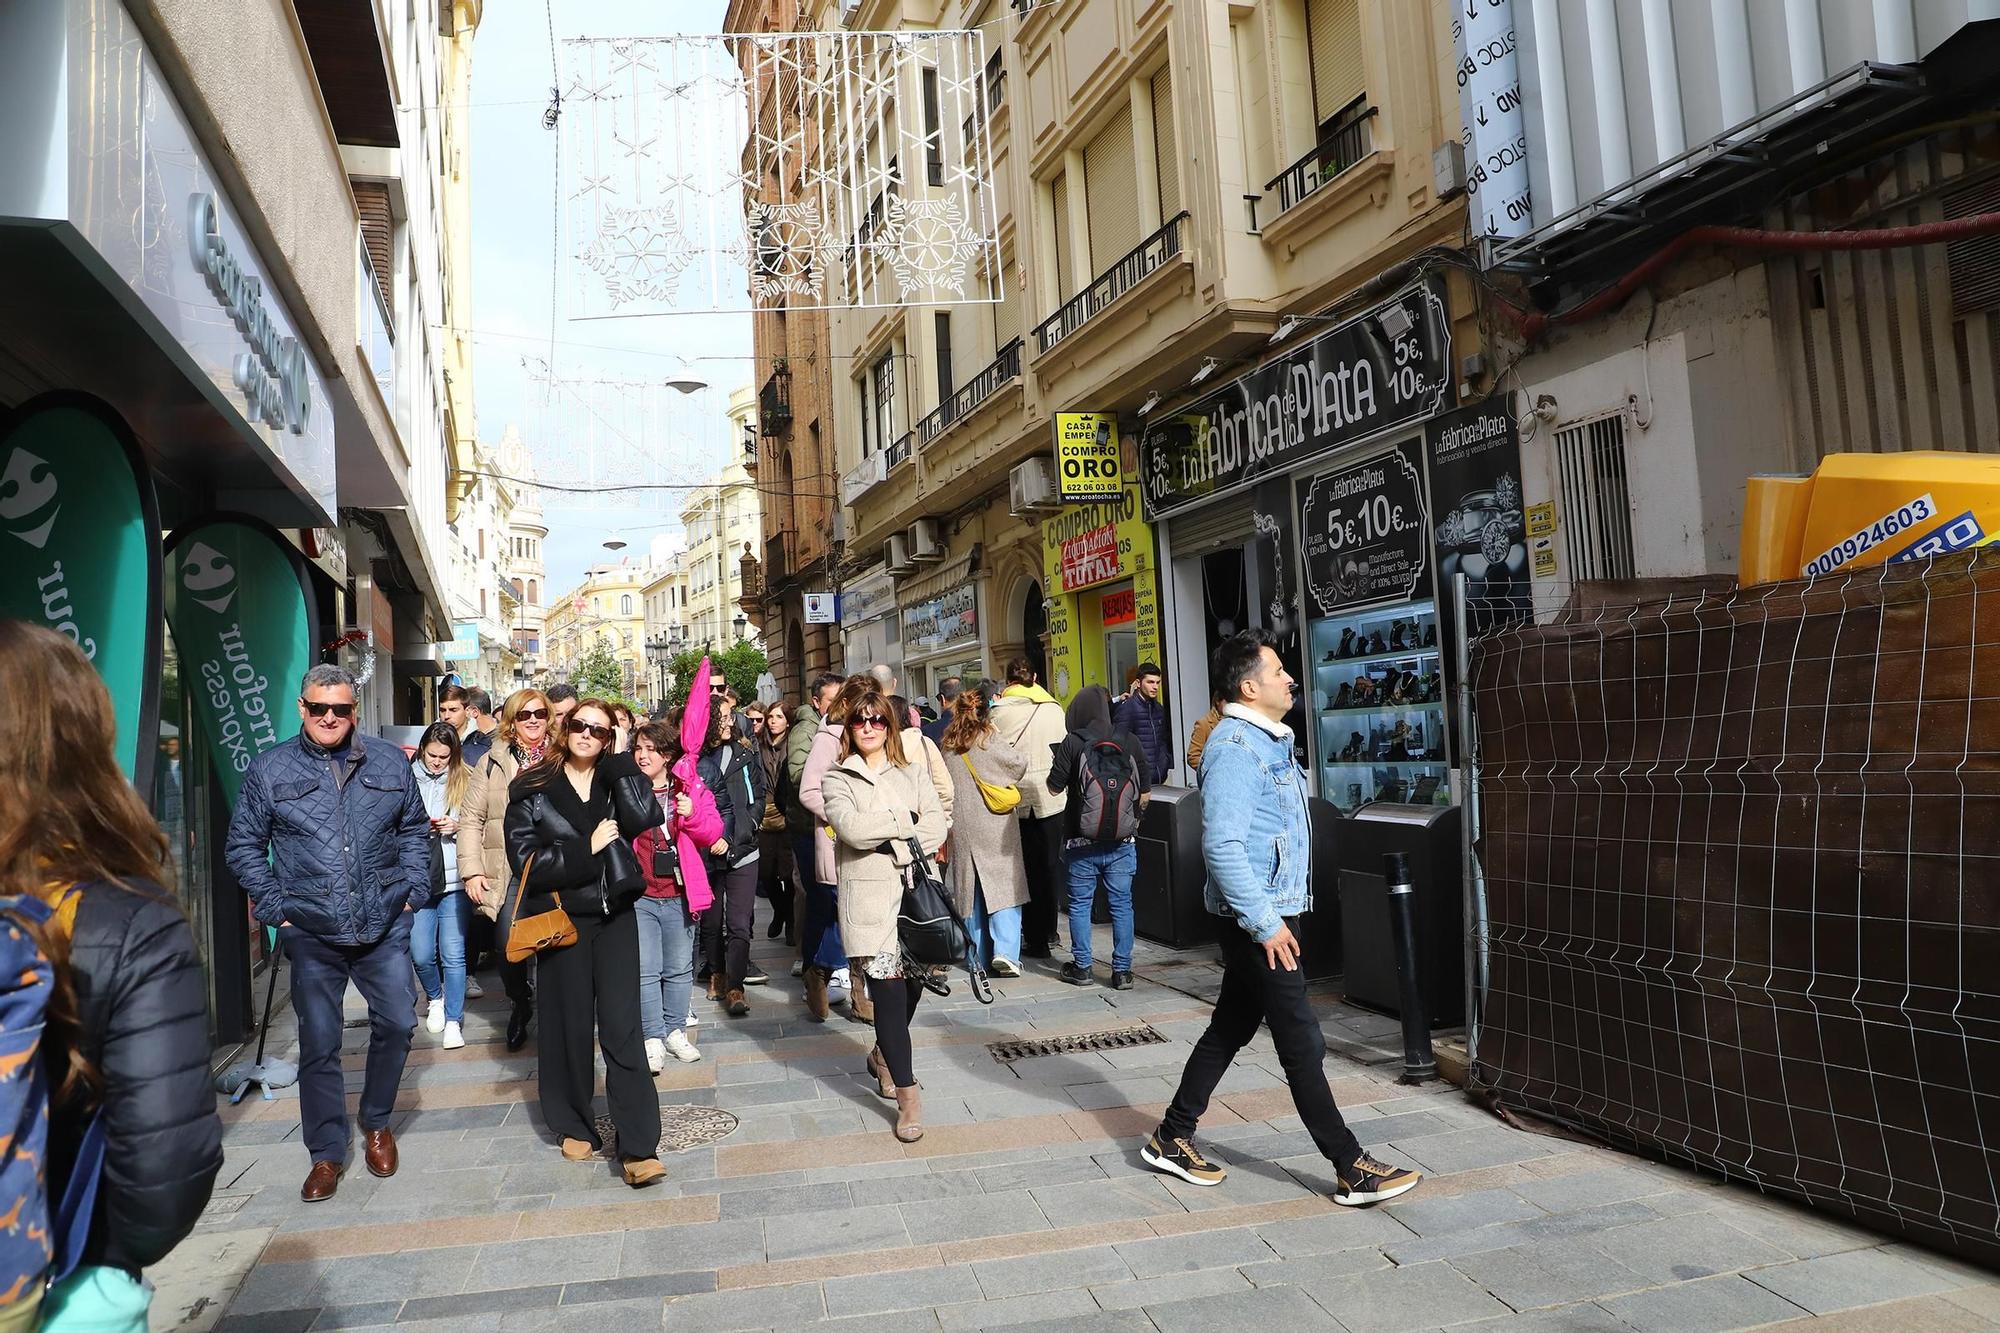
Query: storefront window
x,y
180,800
1378,697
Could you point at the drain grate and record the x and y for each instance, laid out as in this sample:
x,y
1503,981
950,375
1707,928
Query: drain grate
x,y
682,1129
1111,1039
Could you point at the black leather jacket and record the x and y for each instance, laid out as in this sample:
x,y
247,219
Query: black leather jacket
x,y
739,799
547,820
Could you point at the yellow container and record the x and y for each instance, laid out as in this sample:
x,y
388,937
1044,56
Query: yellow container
x,y
1857,510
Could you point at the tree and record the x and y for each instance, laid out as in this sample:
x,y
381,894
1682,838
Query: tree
x,y
598,675
740,666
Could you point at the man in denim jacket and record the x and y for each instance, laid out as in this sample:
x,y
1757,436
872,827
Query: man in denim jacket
x,y
1256,837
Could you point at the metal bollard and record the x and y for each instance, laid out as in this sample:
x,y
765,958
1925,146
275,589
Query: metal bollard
x,y
1418,1063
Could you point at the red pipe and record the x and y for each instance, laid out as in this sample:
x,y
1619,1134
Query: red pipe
x,y
1534,324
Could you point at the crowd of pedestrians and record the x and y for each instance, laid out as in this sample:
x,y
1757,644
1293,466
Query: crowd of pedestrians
x,y
612,865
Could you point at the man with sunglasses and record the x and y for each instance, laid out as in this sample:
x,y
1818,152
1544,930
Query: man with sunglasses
x,y
331,841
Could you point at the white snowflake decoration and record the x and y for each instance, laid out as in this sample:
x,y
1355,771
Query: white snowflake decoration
x,y
791,251
929,246
640,253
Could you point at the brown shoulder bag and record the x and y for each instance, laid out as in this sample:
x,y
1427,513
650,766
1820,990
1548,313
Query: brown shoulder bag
x,y
541,932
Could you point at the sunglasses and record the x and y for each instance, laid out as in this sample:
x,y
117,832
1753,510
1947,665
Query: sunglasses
x,y
872,722
578,727
531,715
321,710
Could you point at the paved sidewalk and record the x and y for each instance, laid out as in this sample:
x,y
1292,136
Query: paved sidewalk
x,y
1024,1205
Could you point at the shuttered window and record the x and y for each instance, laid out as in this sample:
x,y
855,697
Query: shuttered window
x,y
1065,262
1334,32
1113,182
378,232
1973,263
1166,144
1007,315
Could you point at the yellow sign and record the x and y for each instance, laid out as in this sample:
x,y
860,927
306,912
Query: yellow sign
x,y
1545,557
1542,519
1087,464
1092,546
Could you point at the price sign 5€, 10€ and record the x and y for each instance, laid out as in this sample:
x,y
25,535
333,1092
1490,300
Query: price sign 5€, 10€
x,y
1365,534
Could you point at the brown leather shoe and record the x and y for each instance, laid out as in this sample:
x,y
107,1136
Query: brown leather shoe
x,y
381,1152
321,1182
815,979
733,1000
643,1171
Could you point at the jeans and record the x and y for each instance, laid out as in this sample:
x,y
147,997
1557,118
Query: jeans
x,y
994,934
320,973
1113,866
1252,992
666,965
819,939
438,936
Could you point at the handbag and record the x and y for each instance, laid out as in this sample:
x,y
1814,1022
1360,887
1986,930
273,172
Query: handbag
x,y
928,926
437,867
541,932
1000,800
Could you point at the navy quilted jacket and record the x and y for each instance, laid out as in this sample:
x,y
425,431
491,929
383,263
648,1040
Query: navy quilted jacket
x,y
337,860
1147,720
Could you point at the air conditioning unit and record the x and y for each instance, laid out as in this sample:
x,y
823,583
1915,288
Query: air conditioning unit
x,y
926,542
1031,488
896,555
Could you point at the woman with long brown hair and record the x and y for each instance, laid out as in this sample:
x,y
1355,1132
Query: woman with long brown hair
x,y
775,876
567,819
822,949
438,935
989,874
127,1027
482,849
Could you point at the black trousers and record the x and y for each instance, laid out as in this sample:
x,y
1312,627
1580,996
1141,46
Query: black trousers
x,y
589,996
1041,853
725,927
516,977
1254,992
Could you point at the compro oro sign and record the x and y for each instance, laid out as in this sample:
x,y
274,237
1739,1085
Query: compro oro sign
x,y
1087,463
80,553
238,606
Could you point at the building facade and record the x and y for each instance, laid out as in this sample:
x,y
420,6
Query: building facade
x,y
722,521
605,610
665,602
1672,364
485,602
526,572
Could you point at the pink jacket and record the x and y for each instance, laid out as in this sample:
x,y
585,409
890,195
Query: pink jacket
x,y
692,835
824,755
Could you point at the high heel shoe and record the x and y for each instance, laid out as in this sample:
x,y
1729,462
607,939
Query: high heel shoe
x,y
885,1087
909,1115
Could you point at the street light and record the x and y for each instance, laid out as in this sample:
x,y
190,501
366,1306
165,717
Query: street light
x,y
740,622
614,546
689,386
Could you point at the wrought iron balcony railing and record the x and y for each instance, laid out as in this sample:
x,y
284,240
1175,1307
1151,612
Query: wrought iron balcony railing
x,y
1342,148
1113,283
971,394
899,453
774,403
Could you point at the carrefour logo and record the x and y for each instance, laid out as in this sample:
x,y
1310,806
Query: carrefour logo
x,y
28,499
207,574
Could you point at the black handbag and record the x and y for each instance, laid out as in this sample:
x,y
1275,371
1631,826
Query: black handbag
x,y
618,865
437,867
929,928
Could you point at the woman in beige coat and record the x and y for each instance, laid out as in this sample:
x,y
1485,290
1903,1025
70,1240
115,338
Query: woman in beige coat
x,y
482,847
989,874
876,803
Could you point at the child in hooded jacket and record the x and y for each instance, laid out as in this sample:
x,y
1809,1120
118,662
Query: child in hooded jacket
x,y
677,893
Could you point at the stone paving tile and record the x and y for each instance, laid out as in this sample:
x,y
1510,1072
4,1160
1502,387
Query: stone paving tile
x,y
1130,1295
1549,1273
895,1321
915,1290
854,1229
691,1249
1434,1216
917,1188
1001,1278
1394,1299
1271,1307
1040,1307
1182,1254
1857,1277
969,1219
523,1263
657,1286
528,1296
762,1307
1680,1249
786,1199
1106,1200
1340,1229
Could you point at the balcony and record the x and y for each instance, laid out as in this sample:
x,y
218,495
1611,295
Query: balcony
x,y
1005,367
781,558
1342,148
857,480
1113,283
350,61
774,402
898,453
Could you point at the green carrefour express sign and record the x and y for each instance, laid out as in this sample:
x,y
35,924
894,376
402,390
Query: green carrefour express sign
x,y
80,553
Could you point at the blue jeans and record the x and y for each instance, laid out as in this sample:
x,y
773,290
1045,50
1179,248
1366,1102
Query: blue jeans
x,y
1112,866
666,965
994,934
819,941
438,933
320,973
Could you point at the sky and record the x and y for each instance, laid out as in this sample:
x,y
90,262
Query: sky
x,y
516,272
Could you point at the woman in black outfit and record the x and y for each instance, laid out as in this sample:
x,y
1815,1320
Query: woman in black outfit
x,y
729,768
126,1032
575,813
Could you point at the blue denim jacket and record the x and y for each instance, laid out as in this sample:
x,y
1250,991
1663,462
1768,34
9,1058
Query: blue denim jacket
x,y
1256,830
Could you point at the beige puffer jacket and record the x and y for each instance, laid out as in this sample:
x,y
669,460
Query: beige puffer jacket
x,y
482,843
868,809
1028,718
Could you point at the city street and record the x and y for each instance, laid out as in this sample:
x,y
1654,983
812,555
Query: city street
x,y
1024,1205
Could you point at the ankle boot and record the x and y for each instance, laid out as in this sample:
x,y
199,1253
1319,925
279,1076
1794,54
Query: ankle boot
x,y
815,979
859,1007
909,1114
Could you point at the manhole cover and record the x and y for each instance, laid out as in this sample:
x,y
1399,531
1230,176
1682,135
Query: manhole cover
x,y
682,1129
1112,1039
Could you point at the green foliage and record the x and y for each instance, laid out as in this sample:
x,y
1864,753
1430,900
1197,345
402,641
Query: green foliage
x,y
598,675
740,666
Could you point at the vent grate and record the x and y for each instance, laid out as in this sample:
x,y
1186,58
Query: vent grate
x,y
1112,1039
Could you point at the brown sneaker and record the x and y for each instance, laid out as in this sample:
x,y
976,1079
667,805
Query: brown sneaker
x,y
321,1182
381,1152
815,979
735,1003
715,985
1371,1181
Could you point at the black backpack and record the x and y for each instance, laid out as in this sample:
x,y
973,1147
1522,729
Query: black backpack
x,y
1107,793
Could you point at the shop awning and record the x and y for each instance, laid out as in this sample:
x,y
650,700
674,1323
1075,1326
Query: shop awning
x,y
936,583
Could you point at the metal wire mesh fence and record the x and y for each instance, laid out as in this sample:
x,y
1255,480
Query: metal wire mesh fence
x,y
1740,893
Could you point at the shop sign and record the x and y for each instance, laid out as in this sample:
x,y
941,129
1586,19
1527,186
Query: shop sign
x,y
822,608
240,610
1090,557
1096,543
866,598
1387,367
1087,462
946,621
1541,518
1474,459
274,378
1364,533
1120,608
80,553
463,646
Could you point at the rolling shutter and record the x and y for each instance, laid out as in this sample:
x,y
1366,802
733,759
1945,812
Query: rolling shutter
x,y
1166,144
1112,182
1065,262
378,232
1334,31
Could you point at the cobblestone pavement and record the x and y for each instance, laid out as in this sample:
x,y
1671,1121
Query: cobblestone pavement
x,y
1023,1206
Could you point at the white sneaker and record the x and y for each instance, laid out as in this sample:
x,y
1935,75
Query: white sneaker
x,y
681,1048
656,1054
453,1037
839,979
473,990
798,967
694,1019
434,1017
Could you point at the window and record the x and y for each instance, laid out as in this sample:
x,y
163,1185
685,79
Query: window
x,y
1111,179
482,603
945,386
1166,144
534,593
1065,261
996,82
1596,499
625,605
868,445
884,375
1333,39
933,130
482,543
